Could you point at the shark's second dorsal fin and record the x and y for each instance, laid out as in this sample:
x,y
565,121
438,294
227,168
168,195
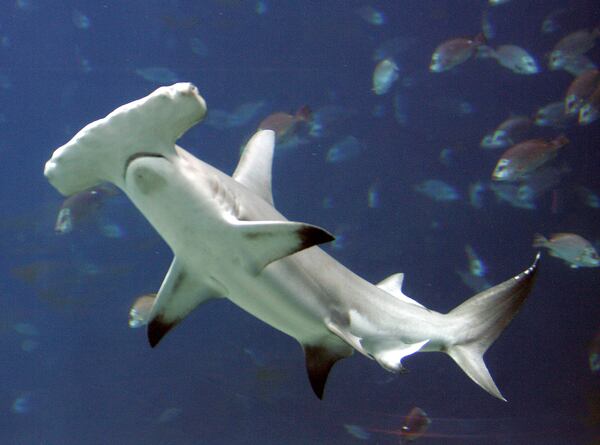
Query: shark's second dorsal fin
x,y
393,286
254,168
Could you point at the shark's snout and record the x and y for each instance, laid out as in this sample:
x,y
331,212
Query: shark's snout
x,y
103,150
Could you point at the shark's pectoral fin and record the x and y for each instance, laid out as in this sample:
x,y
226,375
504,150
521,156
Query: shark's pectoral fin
x,y
267,241
179,294
319,361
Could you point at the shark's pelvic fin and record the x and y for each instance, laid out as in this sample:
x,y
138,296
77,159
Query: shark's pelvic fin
x,y
267,241
393,285
254,167
319,360
481,319
179,294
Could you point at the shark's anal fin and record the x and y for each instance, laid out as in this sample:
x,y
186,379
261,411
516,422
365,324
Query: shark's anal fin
x,y
267,241
179,294
319,360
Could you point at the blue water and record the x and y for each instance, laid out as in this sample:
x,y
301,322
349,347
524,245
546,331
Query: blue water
x,y
73,372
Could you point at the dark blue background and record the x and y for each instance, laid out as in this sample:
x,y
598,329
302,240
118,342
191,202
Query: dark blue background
x,y
93,380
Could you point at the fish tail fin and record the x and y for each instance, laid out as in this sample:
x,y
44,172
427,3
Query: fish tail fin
x,y
479,321
539,240
304,113
480,39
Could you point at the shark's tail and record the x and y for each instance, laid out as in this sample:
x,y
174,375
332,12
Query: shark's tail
x,y
480,320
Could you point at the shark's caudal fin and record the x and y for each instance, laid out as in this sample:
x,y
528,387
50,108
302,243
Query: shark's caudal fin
x,y
480,320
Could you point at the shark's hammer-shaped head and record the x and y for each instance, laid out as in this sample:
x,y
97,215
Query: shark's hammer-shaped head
x,y
148,126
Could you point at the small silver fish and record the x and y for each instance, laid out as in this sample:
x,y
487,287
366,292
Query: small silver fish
x,y
385,74
575,250
139,314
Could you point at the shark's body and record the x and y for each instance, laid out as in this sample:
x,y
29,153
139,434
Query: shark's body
x,y
229,241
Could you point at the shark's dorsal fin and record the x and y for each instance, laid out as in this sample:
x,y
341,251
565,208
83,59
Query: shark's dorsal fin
x,y
319,360
267,241
393,285
179,294
254,168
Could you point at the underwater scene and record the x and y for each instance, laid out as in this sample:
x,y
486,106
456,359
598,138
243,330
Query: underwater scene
x,y
300,222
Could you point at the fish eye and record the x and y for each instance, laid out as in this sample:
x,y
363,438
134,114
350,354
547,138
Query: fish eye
x,y
503,164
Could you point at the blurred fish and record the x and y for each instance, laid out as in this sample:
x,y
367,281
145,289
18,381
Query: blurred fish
x,y
261,7
476,264
437,190
515,59
169,415
476,191
244,113
473,282
590,110
594,354
385,74
241,115
415,425
25,328
157,74
588,197
344,149
540,181
579,64
373,200
551,22
371,15
525,157
487,27
552,115
497,2
400,108
326,117
80,20
22,404
284,124
139,314
446,156
198,47
453,52
575,250
513,195
509,132
357,431
571,46
29,345
580,89
80,206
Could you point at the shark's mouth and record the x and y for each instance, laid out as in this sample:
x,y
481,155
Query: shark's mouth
x,y
139,155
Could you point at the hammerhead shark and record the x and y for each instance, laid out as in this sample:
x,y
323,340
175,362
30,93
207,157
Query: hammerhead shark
x,y
230,242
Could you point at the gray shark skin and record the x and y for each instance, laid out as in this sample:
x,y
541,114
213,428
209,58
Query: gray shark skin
x,y
229,241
